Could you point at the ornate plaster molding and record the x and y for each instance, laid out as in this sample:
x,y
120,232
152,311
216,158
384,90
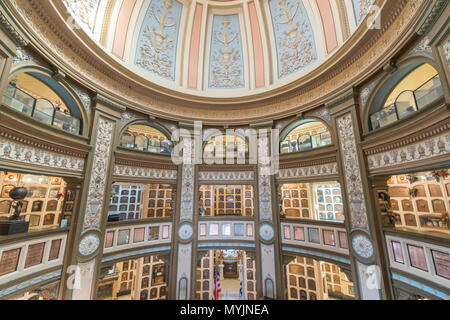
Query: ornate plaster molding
x,y
352,171
307,172
20,151
138,172
226,175
51,40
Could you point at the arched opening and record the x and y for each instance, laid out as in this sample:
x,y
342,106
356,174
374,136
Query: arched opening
x,y
43,99
146,137
305,135
410,89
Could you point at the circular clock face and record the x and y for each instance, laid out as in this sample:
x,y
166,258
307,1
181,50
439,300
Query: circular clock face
x,y
185,232
88,244
362,246
266,232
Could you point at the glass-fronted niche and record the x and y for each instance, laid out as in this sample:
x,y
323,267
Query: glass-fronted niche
x,y
317,201
143,278
225,146
226,200
27,94
305,135
418,201
47,203
235,270
309,279
418,89
141,201
146,138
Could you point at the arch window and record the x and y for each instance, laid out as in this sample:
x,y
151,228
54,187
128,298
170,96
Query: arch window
x,y
43,99
416,90
305,135
148,138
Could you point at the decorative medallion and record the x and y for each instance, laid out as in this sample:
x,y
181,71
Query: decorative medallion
x,y
362,246
185,232
266,232
88,244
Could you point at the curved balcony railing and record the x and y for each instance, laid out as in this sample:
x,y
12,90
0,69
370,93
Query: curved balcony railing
x,y
142,143
407,103
40,109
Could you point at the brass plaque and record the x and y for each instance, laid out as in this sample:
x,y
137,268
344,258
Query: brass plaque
x,y
398,192
35,254
9,261
410,220
407,205
422,205
435,190
438,206
54,249
420,191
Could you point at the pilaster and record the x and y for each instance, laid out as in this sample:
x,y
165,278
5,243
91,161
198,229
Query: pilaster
x,y
267,222
90,225
366,254
10,39
184,253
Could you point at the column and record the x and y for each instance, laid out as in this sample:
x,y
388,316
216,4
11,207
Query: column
x,y
183,268
10,39
267,223
83,269
364,233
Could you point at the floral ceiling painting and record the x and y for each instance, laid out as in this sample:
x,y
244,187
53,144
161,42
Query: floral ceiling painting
x,y
157,44
226,67
293,36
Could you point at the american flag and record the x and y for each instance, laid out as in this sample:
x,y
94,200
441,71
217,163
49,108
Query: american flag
x,y
217,287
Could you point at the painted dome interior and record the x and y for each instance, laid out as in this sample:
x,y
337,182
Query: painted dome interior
x,y
219,48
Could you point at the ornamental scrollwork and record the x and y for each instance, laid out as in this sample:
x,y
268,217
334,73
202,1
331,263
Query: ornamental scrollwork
x,y
352,172
226,65
293,34
97,182
158,38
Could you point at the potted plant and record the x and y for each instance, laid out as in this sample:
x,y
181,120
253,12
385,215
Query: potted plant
x,y
411,178
438,174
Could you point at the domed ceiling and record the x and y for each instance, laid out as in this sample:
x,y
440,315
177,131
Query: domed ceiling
x,y
220,48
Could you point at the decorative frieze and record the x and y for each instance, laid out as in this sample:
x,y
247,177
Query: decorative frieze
x,y
138,172
97,182
425,149
352,172
224,176
23,153
307,172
